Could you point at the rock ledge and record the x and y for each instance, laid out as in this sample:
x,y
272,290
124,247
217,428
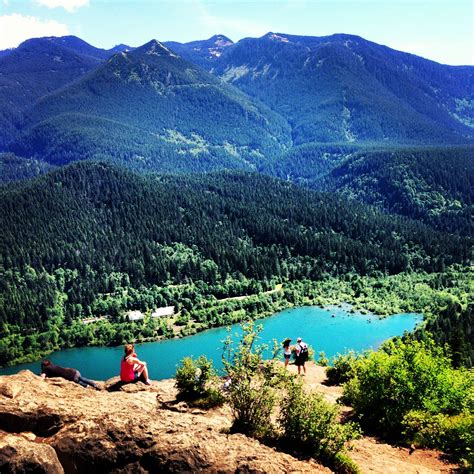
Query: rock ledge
x,y
56,426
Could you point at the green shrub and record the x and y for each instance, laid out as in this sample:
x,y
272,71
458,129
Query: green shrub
x,y
406,376
342,368
252,403
343,464
323,361
452,434
251,393
309,424
196,382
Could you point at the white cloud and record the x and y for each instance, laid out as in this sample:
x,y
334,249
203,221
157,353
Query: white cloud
x,y
17,28
69,5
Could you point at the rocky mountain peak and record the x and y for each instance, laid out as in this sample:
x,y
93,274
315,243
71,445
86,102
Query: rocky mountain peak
x,y
221,40
276,37
156,48
56,426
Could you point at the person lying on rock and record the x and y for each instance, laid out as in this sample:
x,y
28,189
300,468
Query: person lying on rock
x,y
133,369
50,370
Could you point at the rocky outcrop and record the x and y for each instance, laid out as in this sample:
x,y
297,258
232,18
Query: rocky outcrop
x,y
20,453
54,425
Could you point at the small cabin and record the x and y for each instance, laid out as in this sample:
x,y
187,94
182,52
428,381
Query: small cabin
x,y
163,312
135,315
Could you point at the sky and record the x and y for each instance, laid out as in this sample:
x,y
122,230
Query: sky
x,y
441,30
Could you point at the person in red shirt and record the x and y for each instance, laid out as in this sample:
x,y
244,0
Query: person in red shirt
x,y
133,369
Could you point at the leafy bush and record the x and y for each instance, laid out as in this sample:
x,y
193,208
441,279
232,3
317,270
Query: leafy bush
x,y
196,382
453,434
343,368
251,393
252,403
407,376
323,361
309,424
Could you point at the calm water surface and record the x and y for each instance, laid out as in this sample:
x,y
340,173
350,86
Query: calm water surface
x,y
331,330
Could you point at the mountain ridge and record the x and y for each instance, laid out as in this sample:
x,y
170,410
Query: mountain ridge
x,y
180,106
36,68
272,104
357,78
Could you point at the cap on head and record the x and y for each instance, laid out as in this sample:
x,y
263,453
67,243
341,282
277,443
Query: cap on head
x,y
299,339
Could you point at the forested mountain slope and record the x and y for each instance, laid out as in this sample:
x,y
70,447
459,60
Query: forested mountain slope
x,y
15,168
433,184
345,88
93,220
38,67
152,110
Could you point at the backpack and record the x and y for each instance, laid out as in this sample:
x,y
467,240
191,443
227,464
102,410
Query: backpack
x,y
303,351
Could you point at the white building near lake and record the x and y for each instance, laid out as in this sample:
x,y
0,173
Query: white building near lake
x,y
135,315
163,312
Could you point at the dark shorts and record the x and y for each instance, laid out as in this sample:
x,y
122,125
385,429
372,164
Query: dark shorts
x,y
287,356
300,361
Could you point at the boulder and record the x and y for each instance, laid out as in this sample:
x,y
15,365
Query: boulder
x,y
20,454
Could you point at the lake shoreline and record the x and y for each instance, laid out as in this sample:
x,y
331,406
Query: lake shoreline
x,y
318,326
199,329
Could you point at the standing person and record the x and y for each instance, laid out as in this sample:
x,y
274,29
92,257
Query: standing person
x,y
50,370
287,351
301,354
133,369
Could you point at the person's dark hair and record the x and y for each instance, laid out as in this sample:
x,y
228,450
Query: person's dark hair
x,y
286,342
45,363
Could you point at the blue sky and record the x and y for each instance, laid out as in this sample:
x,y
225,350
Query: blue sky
x,y
442,30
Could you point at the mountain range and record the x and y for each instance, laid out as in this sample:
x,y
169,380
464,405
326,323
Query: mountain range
x,y
324,112
36,68
334,89
151,108
345,88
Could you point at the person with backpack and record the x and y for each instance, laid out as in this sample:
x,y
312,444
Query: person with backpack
x,y
301,355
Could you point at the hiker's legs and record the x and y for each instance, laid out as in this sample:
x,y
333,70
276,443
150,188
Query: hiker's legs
x,y
299,369
85,382
304,368
143,373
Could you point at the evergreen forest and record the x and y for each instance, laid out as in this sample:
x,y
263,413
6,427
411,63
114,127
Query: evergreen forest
x,y
230,180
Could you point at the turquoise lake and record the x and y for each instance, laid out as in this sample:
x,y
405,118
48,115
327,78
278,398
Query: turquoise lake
x,y
332,330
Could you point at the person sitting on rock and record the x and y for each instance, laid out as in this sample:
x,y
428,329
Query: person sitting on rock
x,y
131,368
50,370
